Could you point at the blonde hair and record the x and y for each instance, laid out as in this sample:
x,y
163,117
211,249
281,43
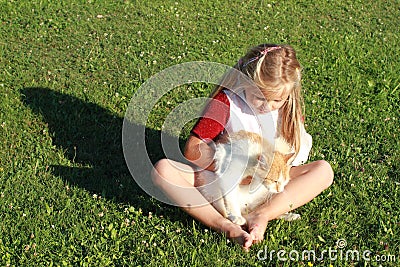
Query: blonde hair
x,y
275,70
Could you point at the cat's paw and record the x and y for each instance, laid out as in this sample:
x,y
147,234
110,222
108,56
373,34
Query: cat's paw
x,y
289,216
239,220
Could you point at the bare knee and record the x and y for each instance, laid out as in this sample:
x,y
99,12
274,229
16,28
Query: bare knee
x,y
167,171
159,174
326,172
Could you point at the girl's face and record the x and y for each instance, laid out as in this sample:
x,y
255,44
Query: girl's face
x,y
262,105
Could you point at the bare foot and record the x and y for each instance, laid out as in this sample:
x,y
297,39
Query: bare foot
x,y
257,224
235,233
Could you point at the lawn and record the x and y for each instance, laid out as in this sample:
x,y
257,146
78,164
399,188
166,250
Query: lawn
x,y
68,71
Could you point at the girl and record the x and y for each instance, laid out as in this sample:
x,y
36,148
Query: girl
x,y
275,72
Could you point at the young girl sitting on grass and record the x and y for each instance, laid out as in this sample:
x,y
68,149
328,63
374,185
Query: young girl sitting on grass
x,y
275,72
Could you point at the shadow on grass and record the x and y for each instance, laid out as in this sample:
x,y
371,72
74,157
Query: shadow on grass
x,y
90,137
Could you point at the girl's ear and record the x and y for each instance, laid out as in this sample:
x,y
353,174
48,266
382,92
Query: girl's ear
x,y
288,157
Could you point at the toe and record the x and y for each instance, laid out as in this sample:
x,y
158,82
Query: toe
x,y
247,242
256,233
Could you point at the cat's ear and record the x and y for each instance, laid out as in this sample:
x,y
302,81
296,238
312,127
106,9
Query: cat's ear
x,y
288,157
262,161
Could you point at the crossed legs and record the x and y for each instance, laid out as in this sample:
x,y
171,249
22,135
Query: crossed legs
x,y
177,181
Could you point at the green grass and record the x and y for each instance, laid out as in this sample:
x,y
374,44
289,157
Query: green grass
x,y
68,71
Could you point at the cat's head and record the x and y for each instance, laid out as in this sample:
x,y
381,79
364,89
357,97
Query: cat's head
x,y
277,175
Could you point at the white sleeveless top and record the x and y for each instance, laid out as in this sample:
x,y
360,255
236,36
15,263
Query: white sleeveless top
x,y
242,117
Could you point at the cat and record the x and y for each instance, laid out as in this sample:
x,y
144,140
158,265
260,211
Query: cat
x,y
249,170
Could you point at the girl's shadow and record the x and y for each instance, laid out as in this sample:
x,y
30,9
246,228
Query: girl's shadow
x,y
90,137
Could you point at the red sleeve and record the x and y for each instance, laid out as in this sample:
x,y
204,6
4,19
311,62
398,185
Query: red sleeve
x,y
214,118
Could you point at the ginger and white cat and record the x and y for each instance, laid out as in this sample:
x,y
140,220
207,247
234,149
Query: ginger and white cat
x,y
246,156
